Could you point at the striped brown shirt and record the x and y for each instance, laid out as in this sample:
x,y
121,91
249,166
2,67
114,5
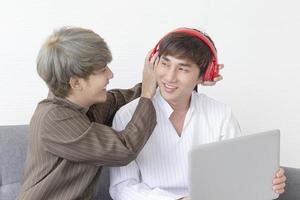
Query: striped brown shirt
x,y
68,145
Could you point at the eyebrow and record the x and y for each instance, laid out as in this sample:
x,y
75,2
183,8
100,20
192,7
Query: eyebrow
x,y
180,64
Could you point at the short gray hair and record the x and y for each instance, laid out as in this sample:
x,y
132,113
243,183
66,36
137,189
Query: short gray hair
x,y
68,52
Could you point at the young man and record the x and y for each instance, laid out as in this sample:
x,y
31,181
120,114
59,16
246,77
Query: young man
x,y
184,118
70,135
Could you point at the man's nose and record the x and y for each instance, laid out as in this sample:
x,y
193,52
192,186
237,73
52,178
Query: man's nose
x,y
171,75
110,74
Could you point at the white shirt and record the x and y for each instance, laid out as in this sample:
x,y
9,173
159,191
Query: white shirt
x,y
160,170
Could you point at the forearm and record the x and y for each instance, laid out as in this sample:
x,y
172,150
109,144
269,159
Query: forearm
x,y
141,125
116,98
78,140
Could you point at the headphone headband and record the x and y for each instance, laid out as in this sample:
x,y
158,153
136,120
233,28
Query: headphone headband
x,y
199,35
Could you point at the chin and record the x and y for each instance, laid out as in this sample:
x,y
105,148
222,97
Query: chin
x,y
168,96
104,97
101,99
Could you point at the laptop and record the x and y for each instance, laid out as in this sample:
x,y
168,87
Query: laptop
x,y
236,169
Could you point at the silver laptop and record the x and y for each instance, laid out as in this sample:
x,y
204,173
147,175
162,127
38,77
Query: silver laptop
x,y
237,169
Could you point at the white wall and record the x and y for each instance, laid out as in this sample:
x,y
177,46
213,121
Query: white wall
x,y
256,40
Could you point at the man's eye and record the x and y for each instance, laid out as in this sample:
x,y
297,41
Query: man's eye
x,y
100,71
103,69
183,69
164,64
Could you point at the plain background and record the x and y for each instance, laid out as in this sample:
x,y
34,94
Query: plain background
x,y
258,41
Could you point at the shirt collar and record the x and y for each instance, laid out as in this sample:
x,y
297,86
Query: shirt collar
x,y
165,107
66,102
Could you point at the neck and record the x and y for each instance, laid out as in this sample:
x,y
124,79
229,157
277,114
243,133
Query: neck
x,y
178,116
181,105
78,101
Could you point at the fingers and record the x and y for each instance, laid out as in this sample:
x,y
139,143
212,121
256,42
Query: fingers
x,y
218,78
211,83
279,189
149,79
156,59
152,60
279,186
280,177
221,66
156,64
148,57
279,180
280,172
151,57
208,83
184,198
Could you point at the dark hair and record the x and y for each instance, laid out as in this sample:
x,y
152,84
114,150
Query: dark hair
x,y
187,46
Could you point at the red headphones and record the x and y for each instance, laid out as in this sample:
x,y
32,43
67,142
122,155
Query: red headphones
x,y
213,67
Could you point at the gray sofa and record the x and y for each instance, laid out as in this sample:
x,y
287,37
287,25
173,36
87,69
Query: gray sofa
x,y
13,144
13,148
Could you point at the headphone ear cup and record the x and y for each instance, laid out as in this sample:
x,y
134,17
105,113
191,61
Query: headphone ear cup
x,y
215,70
212,71
208,73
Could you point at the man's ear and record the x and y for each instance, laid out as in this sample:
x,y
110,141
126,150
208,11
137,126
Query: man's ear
x,y
75,83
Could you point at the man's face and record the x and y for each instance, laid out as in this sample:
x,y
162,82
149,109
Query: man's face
x,y
176,78
94,87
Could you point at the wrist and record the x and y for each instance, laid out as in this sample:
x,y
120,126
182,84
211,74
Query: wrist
x,y
145,95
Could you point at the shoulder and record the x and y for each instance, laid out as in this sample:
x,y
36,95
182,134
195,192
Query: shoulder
x,y
124,115
49,112
210,105
128,109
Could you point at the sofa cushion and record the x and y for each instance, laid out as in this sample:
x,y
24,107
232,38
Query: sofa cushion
x,y
9,191
103,186
13,147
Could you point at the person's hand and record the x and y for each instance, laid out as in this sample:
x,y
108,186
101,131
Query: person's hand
x,y
184,198
279,181
216,79
149,80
